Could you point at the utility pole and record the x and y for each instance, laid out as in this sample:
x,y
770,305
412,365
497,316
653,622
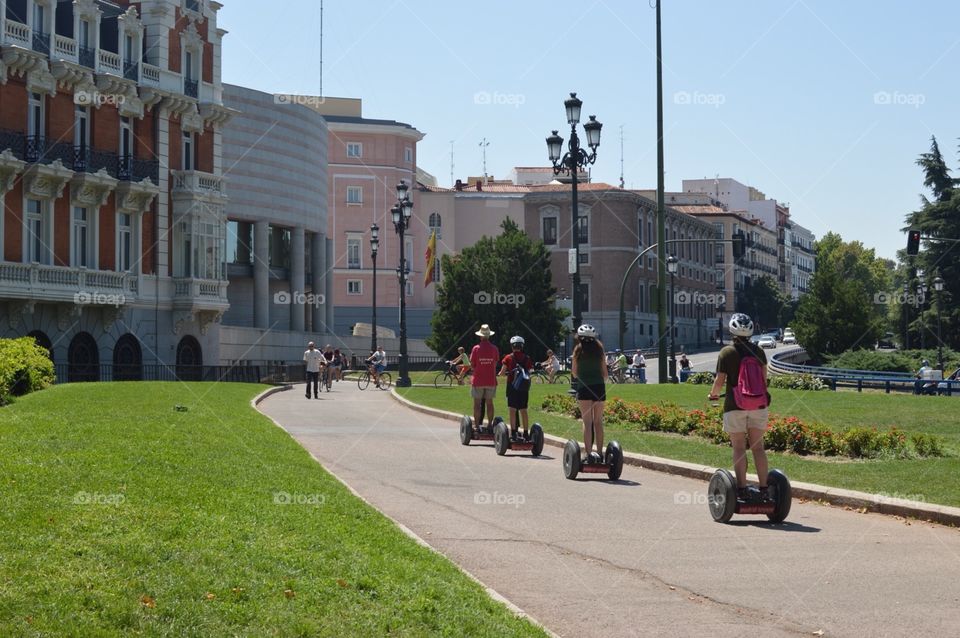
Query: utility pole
x,y
661,222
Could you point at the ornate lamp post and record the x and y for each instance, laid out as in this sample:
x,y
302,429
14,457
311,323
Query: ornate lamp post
x,y
374,248
906,316
938,286
400,214
672,264
576,159
921,297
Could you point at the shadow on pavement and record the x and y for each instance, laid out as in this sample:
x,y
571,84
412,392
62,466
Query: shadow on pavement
x,y
783,527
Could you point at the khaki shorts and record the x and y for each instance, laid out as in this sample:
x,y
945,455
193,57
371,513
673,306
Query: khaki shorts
x,y
483,391
737,421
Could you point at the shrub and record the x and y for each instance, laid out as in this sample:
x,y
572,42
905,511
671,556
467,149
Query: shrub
x,y
797,382
873,360
862,442
701,378
926,445
24,367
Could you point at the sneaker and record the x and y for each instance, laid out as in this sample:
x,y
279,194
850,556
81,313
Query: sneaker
x,y
743,493
308,396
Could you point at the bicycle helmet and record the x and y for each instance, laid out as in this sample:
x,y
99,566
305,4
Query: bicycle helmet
x,y
925,363
586,331
741,325
517,339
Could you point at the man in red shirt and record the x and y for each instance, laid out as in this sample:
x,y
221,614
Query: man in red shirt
x,y
483,360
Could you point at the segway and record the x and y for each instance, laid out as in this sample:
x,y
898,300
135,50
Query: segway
x,y
505,438
724,502
470,432
611,464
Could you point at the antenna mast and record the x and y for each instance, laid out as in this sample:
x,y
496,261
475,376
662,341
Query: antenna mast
x,y
621,157
321,48
452,180
483,147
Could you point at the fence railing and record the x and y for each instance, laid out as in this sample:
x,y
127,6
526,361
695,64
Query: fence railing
x,y
78,372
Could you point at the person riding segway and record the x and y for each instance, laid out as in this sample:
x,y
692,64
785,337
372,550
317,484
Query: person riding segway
x,y
516,366
483,388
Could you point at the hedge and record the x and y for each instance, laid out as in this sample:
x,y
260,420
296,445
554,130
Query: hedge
x,y
24,367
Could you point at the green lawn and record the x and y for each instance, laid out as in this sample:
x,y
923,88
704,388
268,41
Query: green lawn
x,y
122,516
932,480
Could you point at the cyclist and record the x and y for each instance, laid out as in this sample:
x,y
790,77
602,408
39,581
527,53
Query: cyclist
x,y
517,364
591,374
621,366
463,364
551,366
335,365
483,387
377,364
328,360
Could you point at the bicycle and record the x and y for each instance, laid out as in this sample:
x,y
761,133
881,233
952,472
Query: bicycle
x,y
542,376
327,378
364,381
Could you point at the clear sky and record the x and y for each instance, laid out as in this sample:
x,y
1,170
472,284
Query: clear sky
x,y
822,104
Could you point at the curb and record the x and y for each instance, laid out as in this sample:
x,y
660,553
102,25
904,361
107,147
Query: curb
x,y
877,503
492,593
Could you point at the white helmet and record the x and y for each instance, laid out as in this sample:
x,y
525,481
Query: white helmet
x,y
741,325
515,340
587,331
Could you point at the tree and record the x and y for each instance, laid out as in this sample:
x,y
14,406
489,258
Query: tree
x,y
763,301
503,281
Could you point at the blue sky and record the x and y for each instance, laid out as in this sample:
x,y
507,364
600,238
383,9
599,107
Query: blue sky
x,y
818,103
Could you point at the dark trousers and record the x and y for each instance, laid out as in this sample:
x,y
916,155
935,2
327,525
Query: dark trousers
x,y
313,377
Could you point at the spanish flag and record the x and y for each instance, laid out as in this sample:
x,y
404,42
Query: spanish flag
x,y
431,258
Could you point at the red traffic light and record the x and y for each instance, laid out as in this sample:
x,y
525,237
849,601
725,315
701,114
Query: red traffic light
x,y
913,242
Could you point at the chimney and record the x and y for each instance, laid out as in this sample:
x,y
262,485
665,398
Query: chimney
x,y
458,186
479,185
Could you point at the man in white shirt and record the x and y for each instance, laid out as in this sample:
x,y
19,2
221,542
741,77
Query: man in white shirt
x,y
314,360
640,366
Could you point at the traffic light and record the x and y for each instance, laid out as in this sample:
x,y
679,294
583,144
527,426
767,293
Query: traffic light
x,y
738,245
913,242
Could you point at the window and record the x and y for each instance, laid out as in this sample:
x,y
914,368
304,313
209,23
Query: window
x,y
642,303
435,223
188,66
354,149
240,243
35,123
126,137
36,234
354,194
84,39
279,248
81,127
583,226
584,258
353,252
125,242
39,18
354,287
584,297
639,229
549,232
128,48
206,254
408,155
718,227
188,152
80,238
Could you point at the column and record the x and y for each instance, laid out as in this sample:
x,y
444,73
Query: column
x,y
318,267
328,285
297,276
261,275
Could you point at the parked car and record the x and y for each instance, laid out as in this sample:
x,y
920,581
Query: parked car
x,y
767,341
789,339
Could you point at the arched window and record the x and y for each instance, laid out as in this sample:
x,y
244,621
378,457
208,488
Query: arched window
x,y
43,341
127,359
435,223
83,359
189,360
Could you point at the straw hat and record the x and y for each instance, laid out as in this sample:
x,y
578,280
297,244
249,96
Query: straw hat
x,y
485,331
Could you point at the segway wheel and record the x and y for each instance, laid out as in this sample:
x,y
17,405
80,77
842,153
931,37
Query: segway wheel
x,y
497,420
722,496
466,430
780,492
536,436
571,459
614,458
501,438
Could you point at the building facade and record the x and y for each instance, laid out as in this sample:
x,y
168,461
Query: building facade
x,y
110,172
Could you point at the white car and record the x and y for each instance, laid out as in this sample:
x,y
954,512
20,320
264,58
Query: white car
x,y
789,338
766,341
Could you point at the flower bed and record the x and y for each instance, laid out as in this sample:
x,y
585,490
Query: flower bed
x,y
784,433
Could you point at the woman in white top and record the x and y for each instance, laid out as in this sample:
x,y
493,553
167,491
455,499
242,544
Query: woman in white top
x,y
551,366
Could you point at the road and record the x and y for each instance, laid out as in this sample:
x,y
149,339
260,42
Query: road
x,y
703,361
638,557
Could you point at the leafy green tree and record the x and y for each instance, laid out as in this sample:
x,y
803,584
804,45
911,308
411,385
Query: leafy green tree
x,y
503,281
763,301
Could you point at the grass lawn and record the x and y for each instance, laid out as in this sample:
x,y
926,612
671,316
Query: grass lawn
x,y
122,516
931,480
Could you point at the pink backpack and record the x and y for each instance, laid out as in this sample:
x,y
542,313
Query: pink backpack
x,y
750,393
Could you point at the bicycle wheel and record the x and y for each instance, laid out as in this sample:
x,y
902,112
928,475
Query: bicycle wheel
x,y
561,377
385,380
539,377
328,380
443,380
363,381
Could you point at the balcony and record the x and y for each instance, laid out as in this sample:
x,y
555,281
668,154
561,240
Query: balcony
x,y
41,43
191,88
87,57
200,300
130,168
198,183
36,282
131,70
151,74
17,33
109,62
65,48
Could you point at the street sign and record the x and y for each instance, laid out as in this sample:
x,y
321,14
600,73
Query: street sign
x,y
571,261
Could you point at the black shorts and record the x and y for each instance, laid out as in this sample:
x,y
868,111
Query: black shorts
x,y
518,399
592,392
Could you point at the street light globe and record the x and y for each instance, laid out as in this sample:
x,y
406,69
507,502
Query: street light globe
x,y
402,190
374,232
573,105
672,265
938,284
407,209
395,214
593,132
554,147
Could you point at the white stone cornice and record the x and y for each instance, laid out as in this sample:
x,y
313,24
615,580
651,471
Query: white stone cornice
x,y
22,62
46,181
87,9
217,114
191,39
175,104
92,190
136,197
10,167
191,121
125,93
130,21
72,76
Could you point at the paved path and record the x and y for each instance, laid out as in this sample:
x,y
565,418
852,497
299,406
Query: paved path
x,y
639,557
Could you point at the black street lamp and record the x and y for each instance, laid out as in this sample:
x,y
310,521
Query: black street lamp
x,y
400,214
672,269
938,286
374,248
906,316
576,159
921,297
